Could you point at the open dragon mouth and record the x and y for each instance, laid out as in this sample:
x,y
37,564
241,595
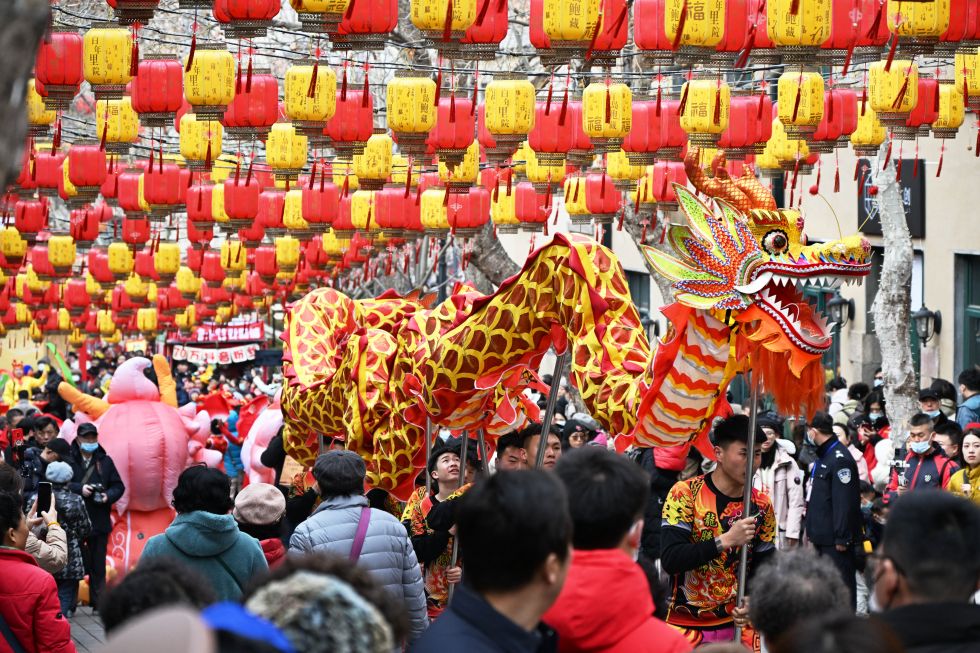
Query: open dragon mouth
x,y
782,300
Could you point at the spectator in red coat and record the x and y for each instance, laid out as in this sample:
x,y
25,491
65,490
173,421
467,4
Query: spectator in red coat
x,y
29,609
606,495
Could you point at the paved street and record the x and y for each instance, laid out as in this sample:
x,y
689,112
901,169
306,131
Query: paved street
x,y
86,630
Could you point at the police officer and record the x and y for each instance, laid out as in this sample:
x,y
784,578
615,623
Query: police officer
x,y
833,510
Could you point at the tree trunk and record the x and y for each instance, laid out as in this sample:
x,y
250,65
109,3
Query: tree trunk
x,y
632,224
490,258
22,22
892,306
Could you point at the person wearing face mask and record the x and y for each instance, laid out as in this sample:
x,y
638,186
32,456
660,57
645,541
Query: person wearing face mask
x,y
926,465
833,511
780,478
874,406
99,483
929,403
606,497
928,571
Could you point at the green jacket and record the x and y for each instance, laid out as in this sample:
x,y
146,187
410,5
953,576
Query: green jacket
x,y
213,546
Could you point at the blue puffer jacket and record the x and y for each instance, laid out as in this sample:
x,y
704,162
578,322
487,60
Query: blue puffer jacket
x,y
213,546
387,552
969,411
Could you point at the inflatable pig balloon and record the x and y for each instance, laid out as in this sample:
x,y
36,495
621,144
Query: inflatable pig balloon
x,y
151,442
258,422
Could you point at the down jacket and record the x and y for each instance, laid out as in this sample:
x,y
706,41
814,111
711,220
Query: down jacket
x,y
30,606
387,552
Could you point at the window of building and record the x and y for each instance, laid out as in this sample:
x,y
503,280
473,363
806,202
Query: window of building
x,y
967,322
639,283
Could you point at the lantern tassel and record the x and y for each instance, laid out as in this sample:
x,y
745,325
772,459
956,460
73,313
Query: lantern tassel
x,y
311,90
683,104
680,27
447,29
248,173
207,156
350,10
190,54
366,89
888,154
850,54
343,84
248,73
238,76
105,129
134,56
238,169
56,141
891,54
309,184
915,165
323,175
799,97
901,93
561,114
794,8
659,95
452,107
476,87
595,35
622,218
408,178
480,17
435,100
551,90
510,177
837,177
942,152
716,117
976,150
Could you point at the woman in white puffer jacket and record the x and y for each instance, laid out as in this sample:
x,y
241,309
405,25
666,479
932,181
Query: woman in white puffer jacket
x,y
781,479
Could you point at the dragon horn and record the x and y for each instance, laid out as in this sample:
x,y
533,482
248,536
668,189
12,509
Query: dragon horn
x,y
91,406
165,381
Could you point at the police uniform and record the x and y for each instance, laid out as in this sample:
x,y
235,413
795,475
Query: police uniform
x,y
833,510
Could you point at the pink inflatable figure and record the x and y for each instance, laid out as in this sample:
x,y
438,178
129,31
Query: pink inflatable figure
x,y
151,442
258,422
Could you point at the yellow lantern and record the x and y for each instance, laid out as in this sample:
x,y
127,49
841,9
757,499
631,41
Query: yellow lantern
x,y
519,160
320,16
571,24
146,321
200,141
117,123
411,109
22,315
952,111
38,117
790,152
373,166
121,260
308,111
166,261
508,113
223,167
893,93
607,114
703,22
61,253
136,289
967,65
869,134
209,81
575,191
218,205
466,172
292,215
224,314
188,283
77,338
541,174
107,59
35,333
71,191
235,281
151,293
233,256
623,173
12,246
400,174
362,210
799,34
503,209
186,319
286,151
643,196
35,283
433,211
918,21
93,287
430,16
343,175
104,321
287,253
706,110
800,97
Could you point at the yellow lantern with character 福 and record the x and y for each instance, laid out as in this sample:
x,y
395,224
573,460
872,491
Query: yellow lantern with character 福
x,y
800,96
117,124
798,27
607,114
706,110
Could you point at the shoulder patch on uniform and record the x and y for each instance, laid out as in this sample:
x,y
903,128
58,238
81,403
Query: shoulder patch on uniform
x,y
844,475
838,454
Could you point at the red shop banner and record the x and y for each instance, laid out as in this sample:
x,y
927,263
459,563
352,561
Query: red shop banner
x,y
220,356
244,332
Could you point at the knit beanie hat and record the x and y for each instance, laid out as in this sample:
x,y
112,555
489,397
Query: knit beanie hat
x,y
323,614
60,447
260,504
59,472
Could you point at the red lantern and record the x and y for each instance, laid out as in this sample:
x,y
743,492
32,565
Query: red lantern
x,y
252,235
199,204
483,37
211,271
453,132
531,208
271,205
738,140
85,225
40,263
612,35
133,12
75,298
665,175
650,35
86,169
48,171
144,266
582,152
601,197
59,68
467,212
245,19
98,267
366,24
314,254
128,191
320,201
31,218
757,41
199,234
241,201
158,89
735,37
643,141
195,258
673,137
162,189
265,263
136,232
110,187
342,224
552,135
858,31
352,123
255,108
925,112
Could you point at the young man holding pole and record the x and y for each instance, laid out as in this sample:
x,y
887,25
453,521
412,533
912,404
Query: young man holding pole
x,y
704,527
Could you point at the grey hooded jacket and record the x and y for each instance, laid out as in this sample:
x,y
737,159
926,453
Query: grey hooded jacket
x,y
387,551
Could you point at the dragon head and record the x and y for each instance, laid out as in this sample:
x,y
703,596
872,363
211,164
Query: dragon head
x,y
750,267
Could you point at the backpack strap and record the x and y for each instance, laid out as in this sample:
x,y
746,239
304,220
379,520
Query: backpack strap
x,y
360,534
9,637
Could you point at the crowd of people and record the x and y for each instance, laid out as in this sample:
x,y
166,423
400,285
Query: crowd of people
x,y
542,541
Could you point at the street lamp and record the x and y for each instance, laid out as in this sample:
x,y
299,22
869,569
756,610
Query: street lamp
x,y
927,323
841,310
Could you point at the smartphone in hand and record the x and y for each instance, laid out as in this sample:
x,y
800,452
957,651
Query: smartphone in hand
x,y
43,497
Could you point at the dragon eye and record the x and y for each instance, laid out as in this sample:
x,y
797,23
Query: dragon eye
x,y
775,242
